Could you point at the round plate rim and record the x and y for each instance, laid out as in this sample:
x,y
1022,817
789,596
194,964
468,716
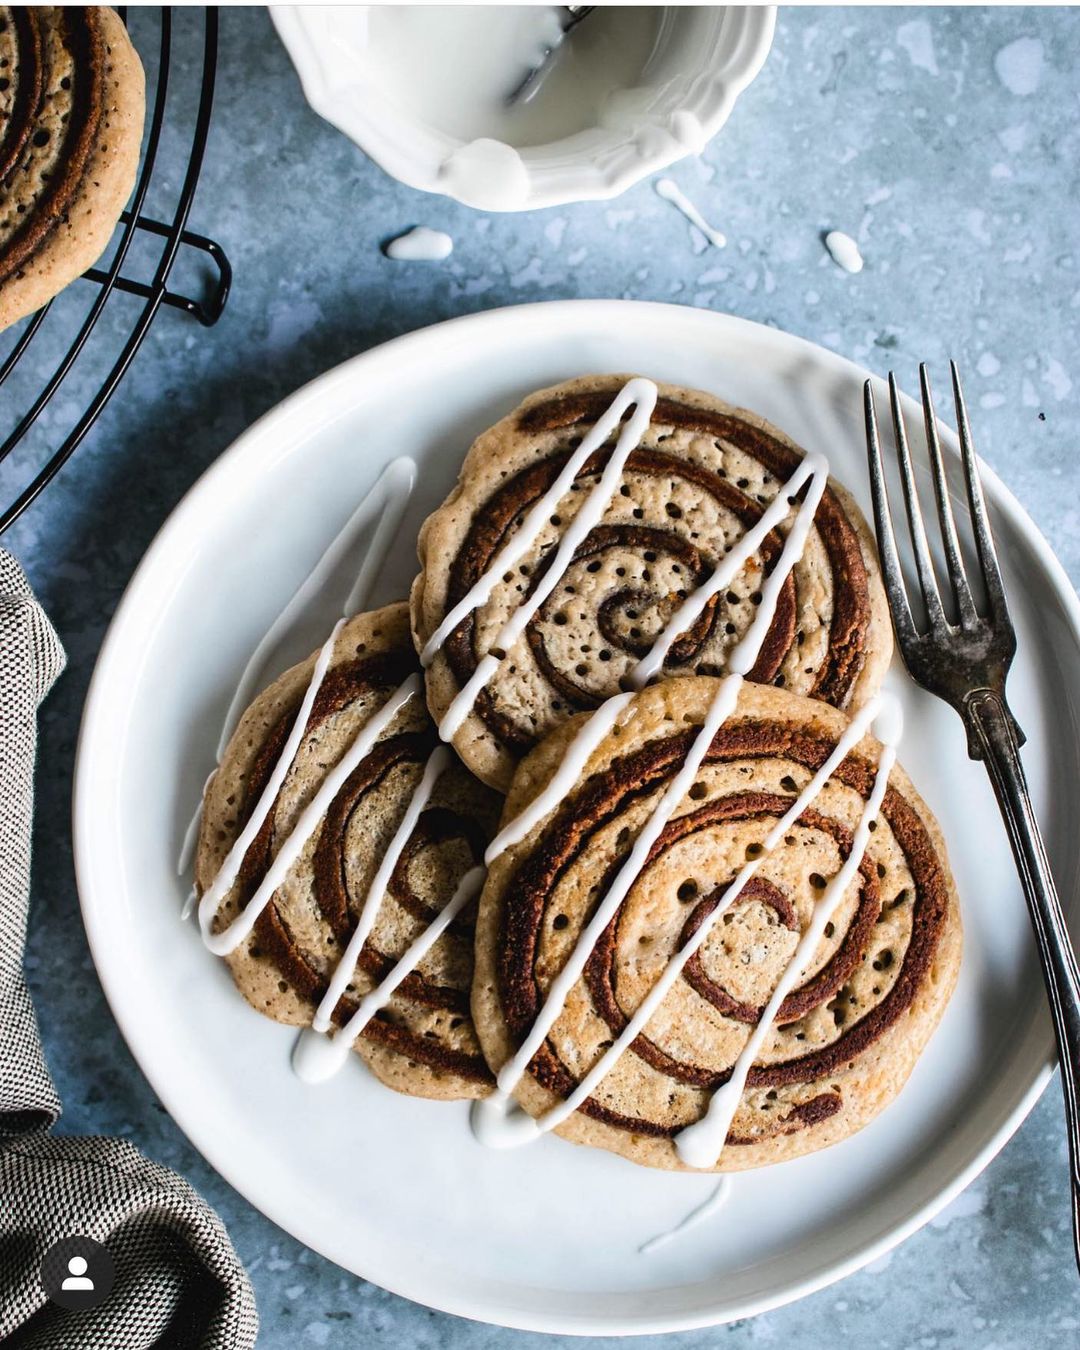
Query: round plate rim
x,y
575,313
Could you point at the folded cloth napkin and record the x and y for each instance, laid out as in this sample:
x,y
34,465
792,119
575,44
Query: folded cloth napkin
x,y
179,1284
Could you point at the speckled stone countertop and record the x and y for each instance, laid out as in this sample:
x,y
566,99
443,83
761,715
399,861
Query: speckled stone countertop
x,y
947,143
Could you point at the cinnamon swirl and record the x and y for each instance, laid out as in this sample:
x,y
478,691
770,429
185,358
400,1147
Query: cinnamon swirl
x,y
702,474
422,1040
72,98
860,1008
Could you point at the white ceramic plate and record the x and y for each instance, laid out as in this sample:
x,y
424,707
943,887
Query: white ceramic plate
x,y
395,1189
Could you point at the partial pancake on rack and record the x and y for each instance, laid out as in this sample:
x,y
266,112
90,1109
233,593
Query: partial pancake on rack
x,y
423,1042
858,1015
703,475
72,98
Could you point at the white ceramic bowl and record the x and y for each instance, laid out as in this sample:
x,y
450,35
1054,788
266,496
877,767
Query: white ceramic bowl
x,y
706,56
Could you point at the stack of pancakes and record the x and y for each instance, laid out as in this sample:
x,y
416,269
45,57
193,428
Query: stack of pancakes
x,y
846,1037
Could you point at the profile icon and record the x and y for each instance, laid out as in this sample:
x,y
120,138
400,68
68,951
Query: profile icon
x,y
78,1272
77,1277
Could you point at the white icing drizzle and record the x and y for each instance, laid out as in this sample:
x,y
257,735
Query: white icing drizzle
x,y
317,1057
716,1199
700,1144
191,836
671,192
500,1123
389,496
570,770
438,762
420,244
813,466
639,393
312,1060
191,900
230,867
844,251
498,1109
642,393
656,995
228,939
609,713
496,1120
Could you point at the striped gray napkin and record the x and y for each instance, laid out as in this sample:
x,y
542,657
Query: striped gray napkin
x,y
179,1284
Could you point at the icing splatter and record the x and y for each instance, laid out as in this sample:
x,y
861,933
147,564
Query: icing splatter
x,y
420,245
844,251
672,193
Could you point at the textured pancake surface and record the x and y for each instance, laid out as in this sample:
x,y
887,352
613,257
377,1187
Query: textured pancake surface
x,y
423,1042
704,473
72,98
851,1030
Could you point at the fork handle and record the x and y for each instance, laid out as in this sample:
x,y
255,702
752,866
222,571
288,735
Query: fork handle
x,y
989,719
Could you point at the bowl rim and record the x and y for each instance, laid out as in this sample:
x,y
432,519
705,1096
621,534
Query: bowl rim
x,y
594,164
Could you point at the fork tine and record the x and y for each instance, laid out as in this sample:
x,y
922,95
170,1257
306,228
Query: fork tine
x,y
980,520
890,562
920,546
957,574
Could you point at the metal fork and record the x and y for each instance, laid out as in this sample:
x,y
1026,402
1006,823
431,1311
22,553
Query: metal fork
x,y
966,663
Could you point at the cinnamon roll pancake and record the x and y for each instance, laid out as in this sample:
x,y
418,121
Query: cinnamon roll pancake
x,y
702,475
853,1010
421,1040
72,98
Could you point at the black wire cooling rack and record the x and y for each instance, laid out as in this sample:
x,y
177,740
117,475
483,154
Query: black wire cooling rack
x,y
100,342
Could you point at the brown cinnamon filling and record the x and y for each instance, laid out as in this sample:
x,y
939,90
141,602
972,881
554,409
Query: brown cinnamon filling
x,y
604,797
83,36
437,824
496,522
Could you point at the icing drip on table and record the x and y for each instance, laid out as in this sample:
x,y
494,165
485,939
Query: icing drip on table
x,y
671,192
420,244
716,1199
844,251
